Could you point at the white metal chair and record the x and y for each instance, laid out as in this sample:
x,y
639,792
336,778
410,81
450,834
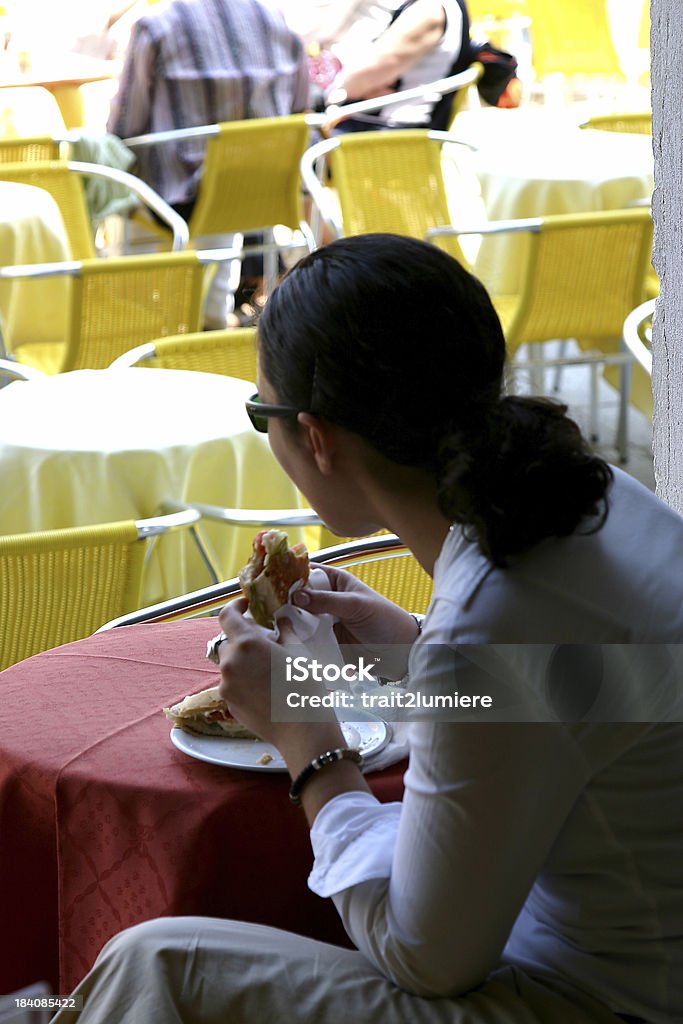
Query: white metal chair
x,y
638,332
11,370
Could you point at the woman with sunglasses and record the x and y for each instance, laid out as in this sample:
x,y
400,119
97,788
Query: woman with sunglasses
x,y
533,872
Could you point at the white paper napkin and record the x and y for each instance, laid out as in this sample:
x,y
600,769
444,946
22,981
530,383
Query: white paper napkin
x,y
316,634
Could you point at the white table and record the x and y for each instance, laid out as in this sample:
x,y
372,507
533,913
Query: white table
x,y
532,163
31,231
102,445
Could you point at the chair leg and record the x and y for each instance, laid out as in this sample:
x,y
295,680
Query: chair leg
x,y
625,377
557,376
593,421
270,264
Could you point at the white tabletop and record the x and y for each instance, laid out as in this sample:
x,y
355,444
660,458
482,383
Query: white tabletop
x,y
102,445
534,163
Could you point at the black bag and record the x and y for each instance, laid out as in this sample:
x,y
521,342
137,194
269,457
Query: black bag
x,y
499,85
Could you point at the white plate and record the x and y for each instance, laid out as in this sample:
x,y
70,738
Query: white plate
x,y
369,736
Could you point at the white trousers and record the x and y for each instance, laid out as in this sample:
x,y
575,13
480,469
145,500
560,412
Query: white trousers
x,y
200,970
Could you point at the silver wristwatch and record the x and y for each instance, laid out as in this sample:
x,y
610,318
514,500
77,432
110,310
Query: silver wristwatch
x,y
212,648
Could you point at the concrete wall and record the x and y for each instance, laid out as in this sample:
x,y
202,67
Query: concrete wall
x,y
667,342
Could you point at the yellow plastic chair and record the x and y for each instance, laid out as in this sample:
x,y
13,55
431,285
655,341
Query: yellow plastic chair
x,y
636,123
250,177
384,563
583,274
61,585
32,149
63,180
115,304
29,110
386,181
572,37
230,352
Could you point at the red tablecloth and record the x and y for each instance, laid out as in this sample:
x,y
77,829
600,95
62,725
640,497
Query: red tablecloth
x,y
103,823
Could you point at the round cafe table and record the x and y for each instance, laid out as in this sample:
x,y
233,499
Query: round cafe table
x,y
105,823
534,163
96,446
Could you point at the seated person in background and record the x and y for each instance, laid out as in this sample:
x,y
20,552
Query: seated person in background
x,y
425,41
532,873
195,62
384,46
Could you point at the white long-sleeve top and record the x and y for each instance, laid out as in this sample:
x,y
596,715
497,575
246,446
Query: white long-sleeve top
x,y
557,848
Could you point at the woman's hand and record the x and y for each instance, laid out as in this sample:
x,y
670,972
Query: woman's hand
x,y
248,661
366,619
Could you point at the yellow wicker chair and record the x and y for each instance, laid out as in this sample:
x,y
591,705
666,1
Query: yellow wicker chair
x,y
639,123
250,177
387,181
114,304
60,585
35,148
583,274
384,563
62,179
573,38
230,352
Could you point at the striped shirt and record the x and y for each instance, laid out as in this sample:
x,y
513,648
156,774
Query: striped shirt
x,y
199,62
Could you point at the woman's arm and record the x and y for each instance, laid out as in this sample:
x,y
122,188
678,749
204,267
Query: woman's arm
x,y
412,35
482,807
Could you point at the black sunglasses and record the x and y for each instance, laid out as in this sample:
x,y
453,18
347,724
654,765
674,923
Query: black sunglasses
x,y
259,412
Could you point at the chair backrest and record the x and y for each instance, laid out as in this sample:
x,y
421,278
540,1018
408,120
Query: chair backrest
x,y
66,187
639,123
585,272
118,303
61,585
231,352
29,110
32,149
391,182
387,566
250,177
572,37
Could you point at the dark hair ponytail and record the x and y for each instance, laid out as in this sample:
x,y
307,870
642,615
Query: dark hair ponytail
x,y
394,340
519,474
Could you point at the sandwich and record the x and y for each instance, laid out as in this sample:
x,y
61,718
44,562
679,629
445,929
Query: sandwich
x,y
270,574
207,714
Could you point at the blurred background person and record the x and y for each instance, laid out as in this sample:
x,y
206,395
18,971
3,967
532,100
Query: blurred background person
x,y
196,62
